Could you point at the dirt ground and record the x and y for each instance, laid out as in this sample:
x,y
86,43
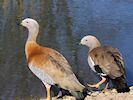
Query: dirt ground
x,y
110,95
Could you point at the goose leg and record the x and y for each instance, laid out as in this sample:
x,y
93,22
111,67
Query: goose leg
x,y
106,88
59,94
99,83
48,91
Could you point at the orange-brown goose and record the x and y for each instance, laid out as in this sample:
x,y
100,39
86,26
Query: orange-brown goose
x,y
48,65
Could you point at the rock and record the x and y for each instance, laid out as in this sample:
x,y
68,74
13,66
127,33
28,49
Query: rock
x,y
101,94
107,93
131,92
114,91
95,93
98,95
131,88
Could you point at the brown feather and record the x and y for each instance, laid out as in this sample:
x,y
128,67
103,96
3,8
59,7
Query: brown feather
x,y
109,60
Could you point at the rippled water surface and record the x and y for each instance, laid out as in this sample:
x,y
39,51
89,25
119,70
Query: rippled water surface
x,y
62,24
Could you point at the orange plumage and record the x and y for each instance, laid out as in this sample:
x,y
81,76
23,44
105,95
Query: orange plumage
x,y
48,64
34,54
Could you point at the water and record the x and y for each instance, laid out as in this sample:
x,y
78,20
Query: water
x,y
62,24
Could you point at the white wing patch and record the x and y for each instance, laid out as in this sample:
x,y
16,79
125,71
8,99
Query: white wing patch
x,y
44,77
102,74
91,63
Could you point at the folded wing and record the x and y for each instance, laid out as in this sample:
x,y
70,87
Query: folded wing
x,y
109,60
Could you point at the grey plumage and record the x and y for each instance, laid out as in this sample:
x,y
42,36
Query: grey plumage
x,y
106,61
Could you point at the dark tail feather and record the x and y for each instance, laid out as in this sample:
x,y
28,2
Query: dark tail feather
x,y
120,84
80,95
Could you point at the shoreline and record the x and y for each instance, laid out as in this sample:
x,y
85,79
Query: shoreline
x,y
109,95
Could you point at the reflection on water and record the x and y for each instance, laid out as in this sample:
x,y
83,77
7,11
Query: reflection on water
x,y
62,24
